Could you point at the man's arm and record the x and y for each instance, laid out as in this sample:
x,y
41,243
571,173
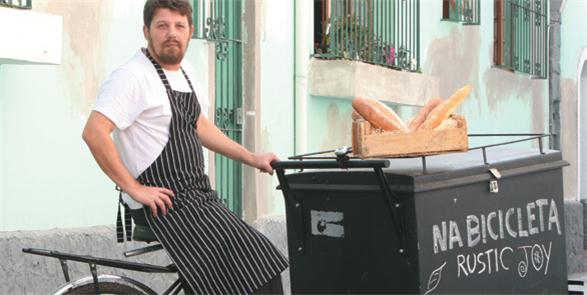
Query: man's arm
x,y
213,139
96,134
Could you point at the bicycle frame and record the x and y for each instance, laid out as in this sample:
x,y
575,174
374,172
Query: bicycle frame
x,y
93,262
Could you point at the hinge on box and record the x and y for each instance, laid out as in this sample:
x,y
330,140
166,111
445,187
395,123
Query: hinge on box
x,y
493,185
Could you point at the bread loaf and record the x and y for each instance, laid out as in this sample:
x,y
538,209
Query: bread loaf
x,y
445,109
449,123
378,114
356,116
421,117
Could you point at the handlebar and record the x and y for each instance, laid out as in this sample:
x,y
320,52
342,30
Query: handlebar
x,y
323,164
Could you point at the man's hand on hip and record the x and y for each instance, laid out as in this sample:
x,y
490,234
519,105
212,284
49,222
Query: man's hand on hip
x,y
263,162
156,198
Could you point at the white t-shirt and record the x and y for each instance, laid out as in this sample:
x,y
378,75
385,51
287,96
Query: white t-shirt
x,y
134,98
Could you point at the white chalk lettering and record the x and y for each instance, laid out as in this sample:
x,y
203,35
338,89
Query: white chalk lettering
x,y
471,266
454,235
531,217
501,256
541,203
537,257
481,262
507,223
500,215
553,217
483,229
490,231
517,222
521,231
487,253
473,236
460,263
547,256
439,238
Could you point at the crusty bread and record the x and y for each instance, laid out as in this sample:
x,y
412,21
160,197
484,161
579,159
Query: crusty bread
x,y
378,114
449,123
426,109
445,109
356,116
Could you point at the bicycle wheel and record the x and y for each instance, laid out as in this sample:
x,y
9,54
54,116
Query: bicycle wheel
x,y
107,284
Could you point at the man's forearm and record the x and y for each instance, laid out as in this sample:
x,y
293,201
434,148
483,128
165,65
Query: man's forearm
x,y
107,157
213,139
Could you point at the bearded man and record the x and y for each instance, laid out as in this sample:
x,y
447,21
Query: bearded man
x,y
156,109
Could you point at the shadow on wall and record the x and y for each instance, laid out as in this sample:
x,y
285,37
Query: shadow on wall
x,y
85,25
454,59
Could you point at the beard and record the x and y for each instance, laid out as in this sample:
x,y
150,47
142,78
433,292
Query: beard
x,y
170,55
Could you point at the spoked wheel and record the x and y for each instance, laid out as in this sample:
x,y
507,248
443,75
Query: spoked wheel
x,y
107,284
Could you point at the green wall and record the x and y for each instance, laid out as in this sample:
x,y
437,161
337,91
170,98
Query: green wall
x,y
277,105
573,37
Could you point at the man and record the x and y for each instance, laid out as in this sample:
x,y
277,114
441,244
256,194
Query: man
x,y
154,104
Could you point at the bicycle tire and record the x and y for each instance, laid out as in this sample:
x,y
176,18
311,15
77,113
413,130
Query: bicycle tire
x,y
107,284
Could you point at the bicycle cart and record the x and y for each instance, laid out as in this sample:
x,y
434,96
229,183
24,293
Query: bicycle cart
x,y
489,220
112,284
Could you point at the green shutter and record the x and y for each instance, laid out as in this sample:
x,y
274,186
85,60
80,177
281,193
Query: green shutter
x,y
524,27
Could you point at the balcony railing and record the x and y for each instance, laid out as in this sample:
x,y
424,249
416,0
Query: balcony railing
x,y
381,32
21,4
462,11
521,36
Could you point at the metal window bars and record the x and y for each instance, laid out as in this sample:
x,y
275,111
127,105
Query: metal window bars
x,y
467,12
380,32
521,32
20,4
216,21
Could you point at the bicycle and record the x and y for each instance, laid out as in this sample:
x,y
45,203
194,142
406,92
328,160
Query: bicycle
x,y
113,284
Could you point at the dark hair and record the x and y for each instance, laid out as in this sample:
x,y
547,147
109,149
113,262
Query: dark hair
x,y
182,6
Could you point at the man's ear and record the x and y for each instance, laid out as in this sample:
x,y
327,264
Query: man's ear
x,y
192,29
146,32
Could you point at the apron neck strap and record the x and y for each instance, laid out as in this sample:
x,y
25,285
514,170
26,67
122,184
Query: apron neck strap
x,y
161,73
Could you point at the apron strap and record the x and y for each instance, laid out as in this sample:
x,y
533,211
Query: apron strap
x,y
127,228
162,75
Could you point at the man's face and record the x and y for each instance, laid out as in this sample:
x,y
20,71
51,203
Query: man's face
x,y
168,36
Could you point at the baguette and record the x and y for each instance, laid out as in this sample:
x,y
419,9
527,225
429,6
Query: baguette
x,y
445,109
356,116
421,117
449,123
378,114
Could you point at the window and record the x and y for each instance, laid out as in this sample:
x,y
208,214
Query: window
x,y
521,41
23,4
380,32
463,11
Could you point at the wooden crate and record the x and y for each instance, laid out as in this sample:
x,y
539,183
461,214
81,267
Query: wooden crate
x,y
369,142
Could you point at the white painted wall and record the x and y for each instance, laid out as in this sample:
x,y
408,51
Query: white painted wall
x,y
30,37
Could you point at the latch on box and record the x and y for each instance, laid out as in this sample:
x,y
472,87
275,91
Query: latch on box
x,y
493,185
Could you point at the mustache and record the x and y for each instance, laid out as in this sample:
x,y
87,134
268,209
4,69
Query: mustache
x,y
174,42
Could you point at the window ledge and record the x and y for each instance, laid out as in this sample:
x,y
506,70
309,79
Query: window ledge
x,y
349,79
30,37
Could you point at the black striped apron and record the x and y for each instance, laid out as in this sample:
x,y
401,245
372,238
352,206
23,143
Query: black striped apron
x,y
215,251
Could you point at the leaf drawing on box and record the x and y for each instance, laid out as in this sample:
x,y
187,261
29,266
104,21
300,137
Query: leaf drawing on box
x,y
434,279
